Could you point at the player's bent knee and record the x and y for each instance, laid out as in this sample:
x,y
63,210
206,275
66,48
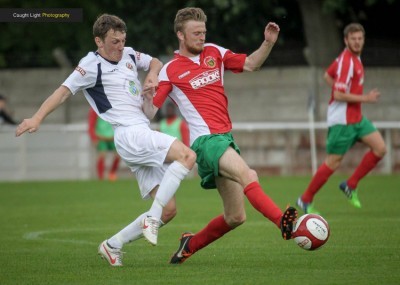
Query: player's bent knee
x,y
380,151
252,175
189,158
235,220
333,164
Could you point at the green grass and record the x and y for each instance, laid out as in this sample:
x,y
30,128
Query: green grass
x,y
50,232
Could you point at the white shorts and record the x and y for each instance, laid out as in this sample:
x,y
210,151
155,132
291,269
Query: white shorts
x,y
144,151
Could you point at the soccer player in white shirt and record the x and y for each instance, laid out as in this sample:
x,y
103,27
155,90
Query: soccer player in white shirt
x,y
109,81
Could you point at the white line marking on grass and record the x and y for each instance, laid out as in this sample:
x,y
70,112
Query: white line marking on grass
x,y
40,235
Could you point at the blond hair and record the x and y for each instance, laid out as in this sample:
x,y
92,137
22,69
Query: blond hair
x,y
186,14
352,28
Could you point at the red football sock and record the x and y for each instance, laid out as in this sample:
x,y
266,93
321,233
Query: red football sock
x,y
319,179
215,229
115,164
100,167
369,161
262,203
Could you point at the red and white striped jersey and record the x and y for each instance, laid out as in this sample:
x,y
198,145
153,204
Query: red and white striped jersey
x,y
348,74
196,85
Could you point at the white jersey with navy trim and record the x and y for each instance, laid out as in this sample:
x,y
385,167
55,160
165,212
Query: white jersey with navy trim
x,y
112,88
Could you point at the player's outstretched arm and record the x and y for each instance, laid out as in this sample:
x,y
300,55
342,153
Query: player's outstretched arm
x,y
256,59
148,108
52,102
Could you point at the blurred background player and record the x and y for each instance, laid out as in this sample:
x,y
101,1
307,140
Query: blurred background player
x,y
174,125
346,123
102,136
5,117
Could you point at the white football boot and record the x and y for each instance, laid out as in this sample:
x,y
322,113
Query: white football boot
x,y
112,255
150,226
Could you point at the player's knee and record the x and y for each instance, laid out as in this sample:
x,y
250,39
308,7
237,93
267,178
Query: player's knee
x,y
252,175
188,158
248,176
235,220
381,151
333,164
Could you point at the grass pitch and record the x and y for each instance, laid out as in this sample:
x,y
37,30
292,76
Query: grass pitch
x,y
50,232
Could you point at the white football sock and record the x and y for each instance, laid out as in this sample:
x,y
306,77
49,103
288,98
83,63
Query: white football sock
x,y
173,176
131,232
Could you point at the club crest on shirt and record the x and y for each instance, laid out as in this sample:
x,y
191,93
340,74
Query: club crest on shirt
x,y
210,61
128,65
133,88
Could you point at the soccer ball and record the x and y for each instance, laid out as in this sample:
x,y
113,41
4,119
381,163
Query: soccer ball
x,y
311,231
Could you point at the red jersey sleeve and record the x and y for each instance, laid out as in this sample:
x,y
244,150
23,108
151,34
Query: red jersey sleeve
x,y
163,89
234,61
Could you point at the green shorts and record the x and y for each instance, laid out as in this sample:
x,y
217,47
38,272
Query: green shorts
x,y
106,146
209,149
342,137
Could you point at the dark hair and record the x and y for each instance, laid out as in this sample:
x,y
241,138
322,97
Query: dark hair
x,y
352,28
187,14
2,98
106,22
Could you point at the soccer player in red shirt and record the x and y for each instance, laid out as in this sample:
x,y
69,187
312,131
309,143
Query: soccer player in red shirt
x,y
194,81
346,123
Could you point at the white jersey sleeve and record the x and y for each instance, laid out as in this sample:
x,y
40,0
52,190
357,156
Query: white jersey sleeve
x,y
142,60
85,74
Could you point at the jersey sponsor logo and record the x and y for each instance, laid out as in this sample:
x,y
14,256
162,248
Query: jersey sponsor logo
x,y
80,70
205,78
210,61
128,65
138,55
184,74
112,70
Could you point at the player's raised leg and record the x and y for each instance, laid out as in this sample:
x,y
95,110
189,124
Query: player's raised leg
x,y
232,166
183,159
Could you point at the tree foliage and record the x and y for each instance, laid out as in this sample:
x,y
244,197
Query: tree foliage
x,y
235,24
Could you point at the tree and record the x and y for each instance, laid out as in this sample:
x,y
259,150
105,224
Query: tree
x,y
322,36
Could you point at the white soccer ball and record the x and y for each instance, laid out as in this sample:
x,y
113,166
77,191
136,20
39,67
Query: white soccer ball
x,y
311,231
